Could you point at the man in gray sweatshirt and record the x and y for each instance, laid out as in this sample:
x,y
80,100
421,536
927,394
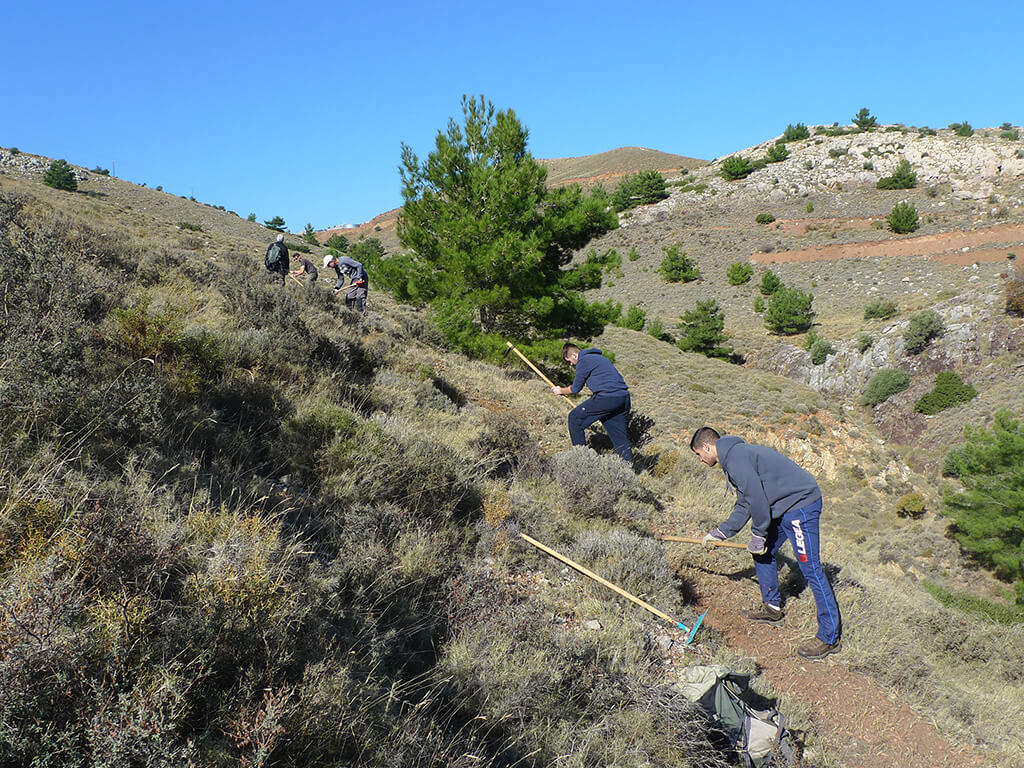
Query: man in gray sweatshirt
x,y
782,501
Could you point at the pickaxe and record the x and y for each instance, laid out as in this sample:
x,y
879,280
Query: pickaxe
x,y
538,371
690,631
691,540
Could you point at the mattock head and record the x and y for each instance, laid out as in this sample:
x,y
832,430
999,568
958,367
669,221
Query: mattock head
x,y
691,631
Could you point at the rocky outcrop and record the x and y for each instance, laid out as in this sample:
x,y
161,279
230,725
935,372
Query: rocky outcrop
x,y
22,164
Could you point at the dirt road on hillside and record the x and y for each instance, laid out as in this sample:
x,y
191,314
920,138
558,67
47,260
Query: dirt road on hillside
x,y
987,245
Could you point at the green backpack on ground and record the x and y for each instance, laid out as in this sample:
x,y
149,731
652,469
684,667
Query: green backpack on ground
x,y
752,724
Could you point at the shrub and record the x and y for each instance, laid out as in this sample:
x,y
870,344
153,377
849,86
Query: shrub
x,y
704,331
634,318
949,392
864,119
739,272
251,217
902,178
926,131
276,224
820,350
789,311
910,505
902,218
962,129
924,326
864,341
809,207
190,226
880,309
796,132
777,153
640,188
656,328
770,283
103,171
1010,133
764,218
338,242
60,175
988,511
1015,291
883,384
676,266
593,484
736,167
309,235
837,152
758,305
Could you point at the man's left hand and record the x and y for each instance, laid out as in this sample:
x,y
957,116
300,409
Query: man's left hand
x,y
756,545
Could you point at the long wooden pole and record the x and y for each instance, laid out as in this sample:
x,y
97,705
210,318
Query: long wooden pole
x,y
538,371
690,540
607,583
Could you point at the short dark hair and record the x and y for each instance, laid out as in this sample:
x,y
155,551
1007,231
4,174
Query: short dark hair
x,y
703,436
567,348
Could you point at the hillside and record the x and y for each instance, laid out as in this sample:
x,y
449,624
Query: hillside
x,y
266,528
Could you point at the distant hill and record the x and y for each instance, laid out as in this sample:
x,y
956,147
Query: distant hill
x,y
610,166
587,170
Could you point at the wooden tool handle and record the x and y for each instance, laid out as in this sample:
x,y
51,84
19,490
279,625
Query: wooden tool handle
x,y
691,540
538,371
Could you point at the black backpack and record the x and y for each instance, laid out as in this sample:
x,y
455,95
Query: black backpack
x,y
275,253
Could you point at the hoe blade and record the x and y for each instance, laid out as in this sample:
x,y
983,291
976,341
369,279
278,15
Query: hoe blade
x,y
691,631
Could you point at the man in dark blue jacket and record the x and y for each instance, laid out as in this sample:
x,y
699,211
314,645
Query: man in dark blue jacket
x,y
609,404
781,500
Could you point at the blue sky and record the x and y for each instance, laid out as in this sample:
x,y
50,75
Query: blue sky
x,y
299,109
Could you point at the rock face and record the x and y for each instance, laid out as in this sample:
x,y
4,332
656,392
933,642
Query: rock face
x,y
22,164
976,329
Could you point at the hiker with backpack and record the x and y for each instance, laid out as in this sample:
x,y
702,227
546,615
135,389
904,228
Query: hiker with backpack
x,y
782,501
276,258
608,404
306,267
358,288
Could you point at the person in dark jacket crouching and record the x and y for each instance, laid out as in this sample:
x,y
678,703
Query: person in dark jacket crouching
x,y
609,404
782,501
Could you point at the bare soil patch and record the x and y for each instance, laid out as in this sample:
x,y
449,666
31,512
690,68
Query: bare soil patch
x,y
959,248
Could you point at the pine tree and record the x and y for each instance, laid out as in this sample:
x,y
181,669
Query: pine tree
x,y
488,243
864,119
704,331
60,175
309,235
989,511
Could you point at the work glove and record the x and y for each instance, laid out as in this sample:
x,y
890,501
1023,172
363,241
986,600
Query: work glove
x,y
708,542
756,545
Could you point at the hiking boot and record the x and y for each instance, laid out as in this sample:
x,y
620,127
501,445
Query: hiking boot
x,y
816,650
764,614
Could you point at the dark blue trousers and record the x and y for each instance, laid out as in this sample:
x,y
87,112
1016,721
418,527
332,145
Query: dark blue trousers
x,y
800,526
610,410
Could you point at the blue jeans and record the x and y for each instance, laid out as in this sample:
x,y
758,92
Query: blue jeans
x,y
610,410
801,528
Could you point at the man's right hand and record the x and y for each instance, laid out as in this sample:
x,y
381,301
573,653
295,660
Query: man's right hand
x,y
710,539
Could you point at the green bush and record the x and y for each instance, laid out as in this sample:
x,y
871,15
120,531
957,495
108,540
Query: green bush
x,y
777,153
864,341
103,171
809,207
910,505
949,392
736,167
634,318
883,384
60,175
276,224
190,226
338,242
676,266
962,129
902,178
770,283
880,309
926,131
656,328
989,512
902,218
640,188
703,331
309,235
1011,134
758,305
764,218
796,132
820,350
739,272
923,326
789,311
1015,292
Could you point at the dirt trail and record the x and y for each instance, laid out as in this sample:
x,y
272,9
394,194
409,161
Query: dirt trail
x,y
961,248
861,723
